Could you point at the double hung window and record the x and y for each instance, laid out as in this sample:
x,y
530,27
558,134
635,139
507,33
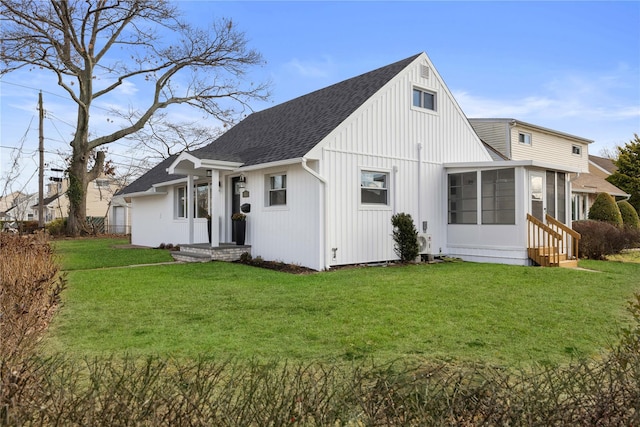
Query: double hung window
x,y
277,190
374,188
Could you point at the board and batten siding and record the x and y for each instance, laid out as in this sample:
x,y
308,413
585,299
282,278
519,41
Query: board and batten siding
x,y
155,222
549,148
387,134
289,233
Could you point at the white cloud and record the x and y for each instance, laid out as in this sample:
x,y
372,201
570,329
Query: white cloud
x,y
321,68
604,97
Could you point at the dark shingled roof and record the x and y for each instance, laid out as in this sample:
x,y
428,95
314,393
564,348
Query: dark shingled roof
x,y
288,130
155,175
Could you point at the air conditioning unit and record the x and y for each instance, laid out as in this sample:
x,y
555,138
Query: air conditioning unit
x,y
424,243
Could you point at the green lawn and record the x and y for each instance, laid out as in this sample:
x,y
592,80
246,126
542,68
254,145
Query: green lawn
x,y
90,253
464,311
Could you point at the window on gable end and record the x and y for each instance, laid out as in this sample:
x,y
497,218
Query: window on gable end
x,y
577,150
424,99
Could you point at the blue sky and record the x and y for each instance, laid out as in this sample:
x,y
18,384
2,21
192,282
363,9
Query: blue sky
x,y
568,66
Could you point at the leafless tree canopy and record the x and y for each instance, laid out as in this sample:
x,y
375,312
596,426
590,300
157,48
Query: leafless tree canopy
x,y
94,47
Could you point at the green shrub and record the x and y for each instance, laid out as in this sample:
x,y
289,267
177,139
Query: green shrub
x,y
605,209
57,227
405,237
629,214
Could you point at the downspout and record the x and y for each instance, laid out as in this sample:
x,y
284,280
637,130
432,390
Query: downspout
x,y
325,220
419,222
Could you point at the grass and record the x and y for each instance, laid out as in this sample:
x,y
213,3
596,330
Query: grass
x,y
632,255
498,314
91,253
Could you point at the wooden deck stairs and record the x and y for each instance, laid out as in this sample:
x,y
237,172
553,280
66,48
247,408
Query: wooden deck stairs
x,y
552,244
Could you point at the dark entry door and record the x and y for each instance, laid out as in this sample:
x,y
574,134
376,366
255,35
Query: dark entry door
x,y
235,202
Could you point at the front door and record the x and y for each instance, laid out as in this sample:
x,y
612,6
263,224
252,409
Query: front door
x,y
235,202
536,195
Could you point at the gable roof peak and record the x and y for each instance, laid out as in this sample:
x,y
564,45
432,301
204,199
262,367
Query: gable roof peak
x,y
291,129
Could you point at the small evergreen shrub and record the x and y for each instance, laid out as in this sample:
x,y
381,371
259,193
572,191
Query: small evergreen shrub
x,y
605,209
629,215
405,237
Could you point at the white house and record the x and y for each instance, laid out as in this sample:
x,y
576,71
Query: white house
x,y
321,175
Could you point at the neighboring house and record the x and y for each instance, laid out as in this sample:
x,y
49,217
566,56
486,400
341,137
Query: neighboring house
x,y
321,175
517,140
56,203
16,206
586,186
21,208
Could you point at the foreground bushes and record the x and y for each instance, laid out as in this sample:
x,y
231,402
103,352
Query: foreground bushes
x,y
599,238
30,287
156,392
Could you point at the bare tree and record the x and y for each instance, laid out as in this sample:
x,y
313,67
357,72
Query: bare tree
x,y
125,41
161,139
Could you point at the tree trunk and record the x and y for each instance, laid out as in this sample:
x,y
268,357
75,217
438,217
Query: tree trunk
x,y
79,179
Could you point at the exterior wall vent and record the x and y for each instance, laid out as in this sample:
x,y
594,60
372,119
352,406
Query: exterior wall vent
x,y
424,71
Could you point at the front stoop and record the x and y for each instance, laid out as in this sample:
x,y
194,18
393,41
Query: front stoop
x,y
202,252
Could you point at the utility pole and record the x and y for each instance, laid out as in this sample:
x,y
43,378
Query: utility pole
x,y
41,172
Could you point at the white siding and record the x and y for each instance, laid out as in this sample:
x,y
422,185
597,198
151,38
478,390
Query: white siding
x,y
291,233
549,148
385,135
153,222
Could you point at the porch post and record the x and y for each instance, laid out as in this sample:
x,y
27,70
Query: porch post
x,y
215,208
190,206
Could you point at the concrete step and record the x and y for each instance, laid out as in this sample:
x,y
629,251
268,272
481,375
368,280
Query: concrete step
x,y
183,256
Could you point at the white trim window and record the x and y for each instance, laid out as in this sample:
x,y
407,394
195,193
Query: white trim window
x,y
524,138
425,99
277,190
180,202
201,200
576,150
374,188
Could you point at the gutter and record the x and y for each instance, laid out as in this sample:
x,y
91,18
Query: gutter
x,y
325,219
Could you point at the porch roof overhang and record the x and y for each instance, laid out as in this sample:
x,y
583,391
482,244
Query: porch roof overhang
x,y
511,164
150,192
275,164
188,164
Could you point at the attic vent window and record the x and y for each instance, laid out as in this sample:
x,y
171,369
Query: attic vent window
x,y
424,71
577,150
424,99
